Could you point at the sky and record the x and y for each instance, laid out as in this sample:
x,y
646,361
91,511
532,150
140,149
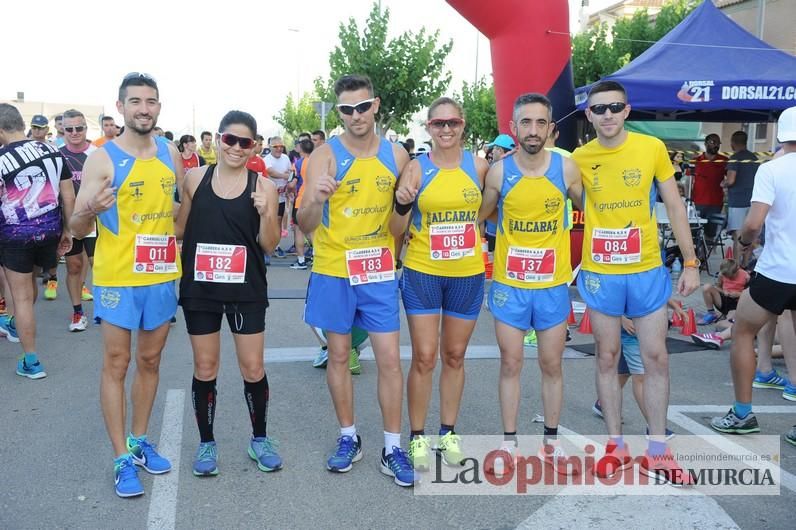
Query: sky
x,y
208,57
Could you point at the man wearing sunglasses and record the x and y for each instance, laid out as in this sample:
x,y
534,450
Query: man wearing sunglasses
x,y
128,188
348,204
709,170
81,257
622,271
39,127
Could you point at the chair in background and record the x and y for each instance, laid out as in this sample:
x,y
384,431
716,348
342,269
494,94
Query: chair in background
x,y
711,237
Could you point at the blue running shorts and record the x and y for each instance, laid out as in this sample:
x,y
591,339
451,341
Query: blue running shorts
x,y
337,306
428,294
633,295
146,307
525,309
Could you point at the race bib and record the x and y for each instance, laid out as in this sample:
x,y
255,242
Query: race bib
x,y
451,241
155,254
616,246
531,264
369,265
220,263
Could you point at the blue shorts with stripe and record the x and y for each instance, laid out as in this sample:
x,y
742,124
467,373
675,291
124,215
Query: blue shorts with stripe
x,y
146,307
333,304
428,294
525,309
632,295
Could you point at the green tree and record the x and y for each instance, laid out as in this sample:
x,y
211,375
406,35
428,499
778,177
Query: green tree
x,y
478,100
299,116
600,51
407,71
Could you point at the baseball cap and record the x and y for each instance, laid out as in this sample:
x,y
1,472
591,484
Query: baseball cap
x,y
503,140
422,148
39,121
786,126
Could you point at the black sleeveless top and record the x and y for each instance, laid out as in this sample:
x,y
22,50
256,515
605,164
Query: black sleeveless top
x,y
228,222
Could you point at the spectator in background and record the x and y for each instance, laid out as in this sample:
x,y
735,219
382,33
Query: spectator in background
x,y
187,148
318,138
709,168
207,150
256,162
677,164
58,121
740,180
39,127
109,131
502,145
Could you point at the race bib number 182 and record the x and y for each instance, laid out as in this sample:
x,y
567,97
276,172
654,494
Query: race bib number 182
x,y
220,263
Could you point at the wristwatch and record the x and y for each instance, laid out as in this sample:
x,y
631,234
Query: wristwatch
x,y
695,263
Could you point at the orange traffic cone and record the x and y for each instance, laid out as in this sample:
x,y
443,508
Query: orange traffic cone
x,y
585,324
485,255
689,326
728,252
571,318
677,320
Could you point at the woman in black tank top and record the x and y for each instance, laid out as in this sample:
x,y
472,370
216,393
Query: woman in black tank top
x,y
227,220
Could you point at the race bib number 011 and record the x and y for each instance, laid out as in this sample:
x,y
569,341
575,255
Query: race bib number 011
x,y
155,254
531,264
220,263
369,265
451,241
616,246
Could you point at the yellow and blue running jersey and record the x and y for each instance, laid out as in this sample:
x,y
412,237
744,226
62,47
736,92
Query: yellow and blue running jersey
x,y
357,215
135,237
619,184
532,250
444,225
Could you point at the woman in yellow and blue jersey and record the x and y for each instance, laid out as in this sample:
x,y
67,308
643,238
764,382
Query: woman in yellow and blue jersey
x,y
443,272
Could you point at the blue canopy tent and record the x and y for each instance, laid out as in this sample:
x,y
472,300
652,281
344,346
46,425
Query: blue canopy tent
x,y
708,68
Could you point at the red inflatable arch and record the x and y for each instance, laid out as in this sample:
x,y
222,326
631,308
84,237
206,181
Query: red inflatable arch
x,y
531,52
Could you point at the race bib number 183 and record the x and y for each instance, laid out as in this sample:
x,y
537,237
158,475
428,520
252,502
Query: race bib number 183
x,y
369,265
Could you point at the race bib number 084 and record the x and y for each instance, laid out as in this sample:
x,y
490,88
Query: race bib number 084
x,y
616,246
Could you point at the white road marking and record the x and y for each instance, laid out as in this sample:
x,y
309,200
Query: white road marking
x,y
722,441
163,503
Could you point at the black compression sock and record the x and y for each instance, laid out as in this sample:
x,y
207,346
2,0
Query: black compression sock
x,y
204,405
256,395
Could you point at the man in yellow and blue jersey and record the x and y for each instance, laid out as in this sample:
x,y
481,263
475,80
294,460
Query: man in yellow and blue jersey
x,y
348,203
622,271
128,187
532,268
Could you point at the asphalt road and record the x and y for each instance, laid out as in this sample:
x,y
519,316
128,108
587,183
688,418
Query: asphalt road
x,y
57,461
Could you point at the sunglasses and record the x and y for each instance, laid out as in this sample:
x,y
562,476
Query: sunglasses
x,y
138,75
615,108
39,126
361,107
242,141
79,129
441,123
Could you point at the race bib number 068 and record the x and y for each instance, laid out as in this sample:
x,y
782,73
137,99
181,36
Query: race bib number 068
x,y
451,241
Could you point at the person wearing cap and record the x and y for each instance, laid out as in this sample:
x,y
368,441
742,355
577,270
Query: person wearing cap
x,y
279,170
39,127
501,146
773,287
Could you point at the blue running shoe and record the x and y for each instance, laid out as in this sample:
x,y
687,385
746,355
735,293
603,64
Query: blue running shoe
x,y
770,380
268,260
322,358
263,451
279,252
597,409
348,451
789,392
397,465
8,329
205,464
669,434
708,318
125,475
31,371
144,455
